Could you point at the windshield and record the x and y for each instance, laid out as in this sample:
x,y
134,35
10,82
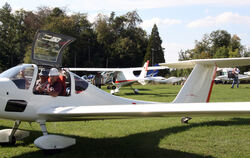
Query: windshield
x,y
80,84
11,73
21,75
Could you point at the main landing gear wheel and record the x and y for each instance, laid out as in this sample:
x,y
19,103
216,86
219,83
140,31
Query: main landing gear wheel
x,y
185,119
10,136
136,91
12,140
52,142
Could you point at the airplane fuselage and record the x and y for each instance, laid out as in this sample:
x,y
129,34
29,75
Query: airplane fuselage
x,y
23,104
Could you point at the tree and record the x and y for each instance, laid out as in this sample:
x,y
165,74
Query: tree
x,y
13,37
154,50
105,35
184,55
222,52
218,44
123,42
114,41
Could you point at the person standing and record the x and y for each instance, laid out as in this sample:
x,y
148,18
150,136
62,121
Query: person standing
x,y
236,72
97,80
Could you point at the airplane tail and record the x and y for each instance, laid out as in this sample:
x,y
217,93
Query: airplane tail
x,y
153,73
198,86
143,73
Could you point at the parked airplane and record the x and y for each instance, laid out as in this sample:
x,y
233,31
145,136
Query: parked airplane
x,y
86,102
163,80
119,77
247,73
225,76
152,76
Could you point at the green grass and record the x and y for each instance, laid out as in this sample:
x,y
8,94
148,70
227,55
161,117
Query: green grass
x,y
167,93
149,137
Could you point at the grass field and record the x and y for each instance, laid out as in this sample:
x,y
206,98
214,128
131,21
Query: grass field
x,y
148,137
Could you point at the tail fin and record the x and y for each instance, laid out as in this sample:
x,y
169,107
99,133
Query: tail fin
x,y
142,76
144,70
198,86
153,73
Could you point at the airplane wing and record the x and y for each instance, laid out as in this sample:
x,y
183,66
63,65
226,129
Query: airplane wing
x,y
95,69
220,62
117,69
137,110
244,77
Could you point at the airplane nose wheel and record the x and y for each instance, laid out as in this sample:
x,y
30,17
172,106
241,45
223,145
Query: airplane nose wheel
x,y
185,119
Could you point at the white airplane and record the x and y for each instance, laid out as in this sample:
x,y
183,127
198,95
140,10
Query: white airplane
x,y
247,73
225,75
119,77
152,76
163,80
87,102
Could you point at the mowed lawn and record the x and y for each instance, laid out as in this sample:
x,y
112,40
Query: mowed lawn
x,y
148,137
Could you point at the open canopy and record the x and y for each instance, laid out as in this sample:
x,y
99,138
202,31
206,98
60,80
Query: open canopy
x,y
48,47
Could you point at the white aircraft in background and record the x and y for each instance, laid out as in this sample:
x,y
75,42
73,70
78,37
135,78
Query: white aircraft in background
x,y
163,80
225,75
152,76
247,73
119,77
87,102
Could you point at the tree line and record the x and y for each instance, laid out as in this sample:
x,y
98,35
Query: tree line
x,y
217,44
109,41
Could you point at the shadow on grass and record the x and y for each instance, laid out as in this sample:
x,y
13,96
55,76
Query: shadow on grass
x,y
135,145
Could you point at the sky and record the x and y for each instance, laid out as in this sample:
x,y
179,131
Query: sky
x,y
180,22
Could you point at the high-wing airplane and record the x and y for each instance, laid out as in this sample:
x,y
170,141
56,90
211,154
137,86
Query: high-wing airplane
x,y
163,80
84,101
119,77
225,77
152,76
247,73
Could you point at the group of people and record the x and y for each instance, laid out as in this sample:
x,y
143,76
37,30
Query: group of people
x,y
49,83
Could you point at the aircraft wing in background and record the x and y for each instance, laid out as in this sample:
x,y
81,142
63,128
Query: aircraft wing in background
x,y
117,69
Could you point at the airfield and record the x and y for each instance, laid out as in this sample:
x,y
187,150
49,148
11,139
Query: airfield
x,y
150,137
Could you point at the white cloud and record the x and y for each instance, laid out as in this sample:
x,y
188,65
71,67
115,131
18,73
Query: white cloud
x,y
149,23
112,5
118,5
222,19
206,11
